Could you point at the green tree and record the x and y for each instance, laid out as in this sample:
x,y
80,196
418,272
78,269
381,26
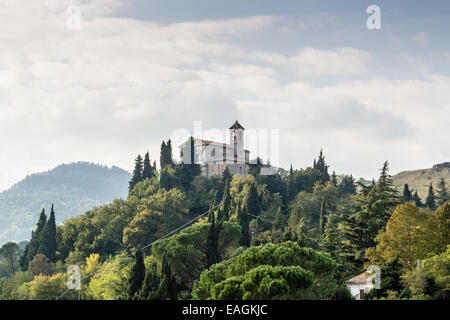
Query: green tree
x,y
33,246
347,186
243,220
430,201
151,282
47,238
442,192
137,172
41,265
148,171
9,252
333,179
407,196
281,271
167,289
166,157
322,167
212,241
252,201
226,203
417,200
391,280
290,188
137,276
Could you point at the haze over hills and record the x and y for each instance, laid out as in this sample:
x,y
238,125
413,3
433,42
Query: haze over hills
x,y
73,188
420,179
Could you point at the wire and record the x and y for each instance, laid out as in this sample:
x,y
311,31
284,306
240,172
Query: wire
x,y
146,246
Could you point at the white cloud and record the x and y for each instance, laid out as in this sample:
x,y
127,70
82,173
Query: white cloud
x,y
119,86
341,61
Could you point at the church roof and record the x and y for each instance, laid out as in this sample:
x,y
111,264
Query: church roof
x,y
237,125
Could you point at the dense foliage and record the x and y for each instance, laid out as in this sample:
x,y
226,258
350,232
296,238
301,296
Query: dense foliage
x,y
297,234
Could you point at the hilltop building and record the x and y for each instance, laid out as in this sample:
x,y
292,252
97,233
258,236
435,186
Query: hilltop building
x,y
213,157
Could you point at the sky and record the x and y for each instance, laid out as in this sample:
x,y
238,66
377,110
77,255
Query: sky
x,y
134,72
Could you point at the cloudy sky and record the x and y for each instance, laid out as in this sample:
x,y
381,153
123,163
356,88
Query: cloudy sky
x,y
137,70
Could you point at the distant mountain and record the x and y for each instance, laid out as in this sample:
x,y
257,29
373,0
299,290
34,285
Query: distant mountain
x,y
420,179
73,188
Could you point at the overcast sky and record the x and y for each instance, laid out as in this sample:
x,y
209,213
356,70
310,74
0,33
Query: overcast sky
x,y
138,70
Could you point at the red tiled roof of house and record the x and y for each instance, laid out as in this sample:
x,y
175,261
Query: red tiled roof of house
x,y
360,278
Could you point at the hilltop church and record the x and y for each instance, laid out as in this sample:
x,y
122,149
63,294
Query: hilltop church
x,y
213,157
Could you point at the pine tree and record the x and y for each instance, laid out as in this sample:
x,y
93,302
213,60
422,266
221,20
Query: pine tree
x,y
430,201
243,220
407,196
137,172
148,170
47,238
137,276
443,195
384,188
331,241
417,200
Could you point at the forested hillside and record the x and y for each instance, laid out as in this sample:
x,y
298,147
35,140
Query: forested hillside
x,y
72,188
292,235
420,179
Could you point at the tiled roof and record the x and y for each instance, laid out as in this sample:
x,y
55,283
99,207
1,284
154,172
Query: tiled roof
x,y
360,278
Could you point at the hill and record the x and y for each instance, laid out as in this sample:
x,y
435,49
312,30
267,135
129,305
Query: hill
x,y
73,188
420,179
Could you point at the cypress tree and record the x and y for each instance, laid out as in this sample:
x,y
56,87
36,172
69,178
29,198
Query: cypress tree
x,y
151,283
252,204
212,242
137,172
322,167
407,196
442,192
162,156
347,186
166,158
33,246
290,192
417,200
243,220
167,289
226,202
430,201
148,171
334,179
47,238
137,276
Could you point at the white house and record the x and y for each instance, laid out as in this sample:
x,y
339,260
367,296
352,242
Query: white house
x,y
214,157
360,285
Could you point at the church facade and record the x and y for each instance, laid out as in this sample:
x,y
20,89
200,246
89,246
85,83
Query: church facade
x,y
214,157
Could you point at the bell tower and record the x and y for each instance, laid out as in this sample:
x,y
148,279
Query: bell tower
x,y
237,141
